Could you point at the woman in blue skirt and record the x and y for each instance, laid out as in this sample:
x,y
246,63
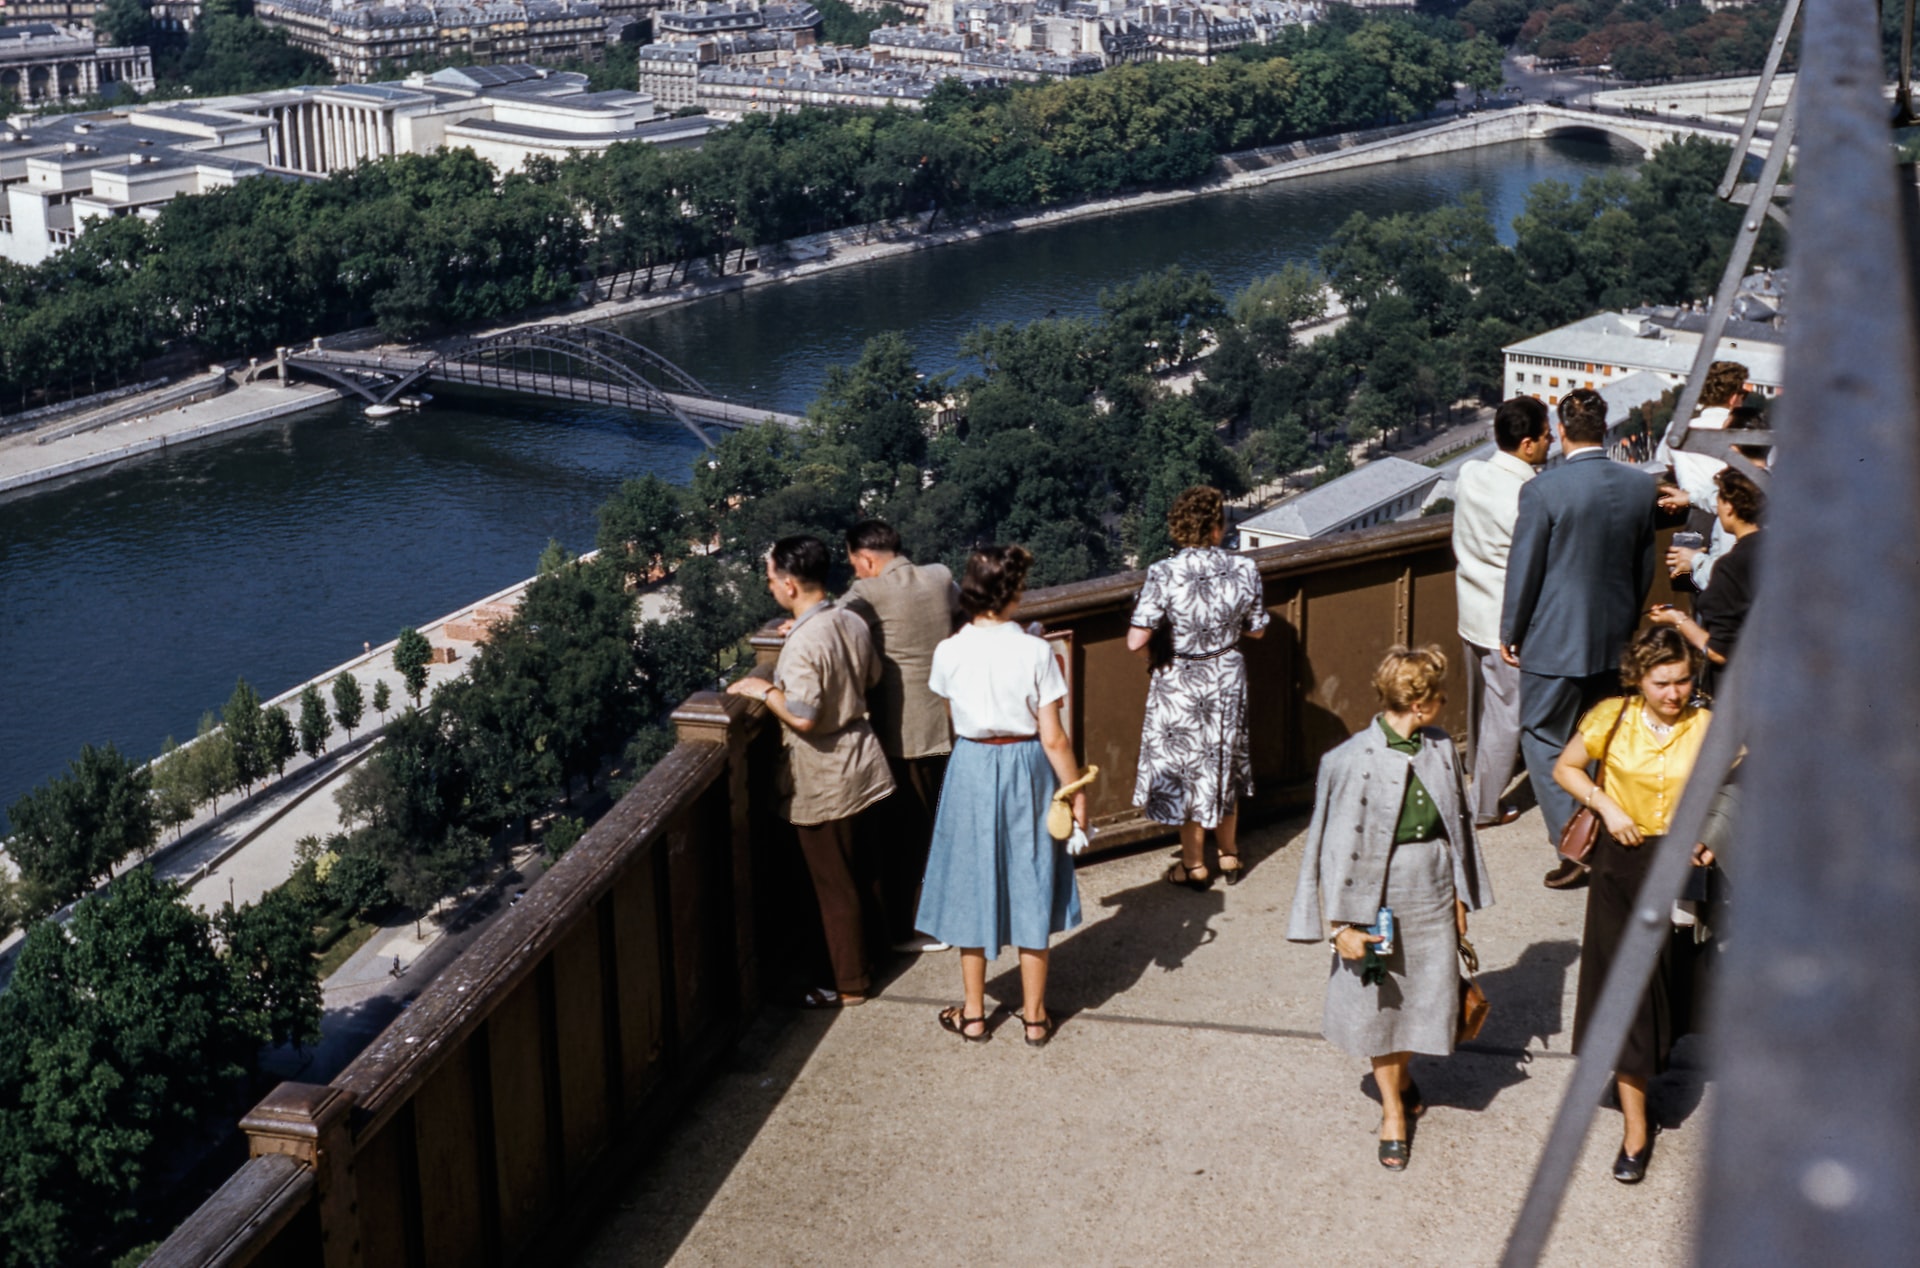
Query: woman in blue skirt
x,y
995,877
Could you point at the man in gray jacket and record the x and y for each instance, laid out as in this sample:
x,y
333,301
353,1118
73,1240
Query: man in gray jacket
x,y
1577,577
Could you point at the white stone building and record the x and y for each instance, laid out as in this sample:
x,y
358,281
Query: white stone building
x,y
1597,350
1383,490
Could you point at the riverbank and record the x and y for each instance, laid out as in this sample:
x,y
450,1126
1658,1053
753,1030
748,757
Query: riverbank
x,y
35,457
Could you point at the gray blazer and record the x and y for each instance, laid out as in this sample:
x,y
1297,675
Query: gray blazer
x,y
1581,564
1356,806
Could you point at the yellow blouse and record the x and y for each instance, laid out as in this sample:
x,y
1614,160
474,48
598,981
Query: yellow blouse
x,y
1645,774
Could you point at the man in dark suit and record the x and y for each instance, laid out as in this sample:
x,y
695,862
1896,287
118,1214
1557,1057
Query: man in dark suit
x,y
1577,577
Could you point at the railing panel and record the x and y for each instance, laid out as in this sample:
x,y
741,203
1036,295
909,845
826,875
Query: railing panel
x,y
389,1212
641,1001
698,862
580,1017
522,1124
456,1212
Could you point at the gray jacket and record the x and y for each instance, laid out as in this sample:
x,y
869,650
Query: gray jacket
x,y
1356,806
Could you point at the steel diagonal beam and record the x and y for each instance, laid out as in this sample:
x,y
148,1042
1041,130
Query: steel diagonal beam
x,y
1758,106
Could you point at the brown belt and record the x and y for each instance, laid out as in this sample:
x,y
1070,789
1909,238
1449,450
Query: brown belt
x,y
1001,739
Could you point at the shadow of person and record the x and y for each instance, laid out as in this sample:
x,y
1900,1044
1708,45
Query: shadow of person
x,y
1526,1001
1154,926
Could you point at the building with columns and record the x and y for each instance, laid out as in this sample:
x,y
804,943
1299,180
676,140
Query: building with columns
x,y
360,39
40,62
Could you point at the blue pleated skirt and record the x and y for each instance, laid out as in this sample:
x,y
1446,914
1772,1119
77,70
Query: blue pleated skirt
x,y
995,878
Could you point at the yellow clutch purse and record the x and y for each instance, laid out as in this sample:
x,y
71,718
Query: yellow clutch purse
x,y
1060,813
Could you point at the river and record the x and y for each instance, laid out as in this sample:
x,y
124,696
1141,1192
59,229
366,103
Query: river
x,y
132,599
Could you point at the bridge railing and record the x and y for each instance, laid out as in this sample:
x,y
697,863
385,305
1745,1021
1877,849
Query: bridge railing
x,y
557,1046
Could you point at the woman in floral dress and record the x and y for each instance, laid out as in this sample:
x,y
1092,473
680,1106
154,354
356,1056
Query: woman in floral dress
x,y
1194,765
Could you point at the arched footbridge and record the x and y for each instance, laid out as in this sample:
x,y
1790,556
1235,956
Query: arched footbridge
x,y
567,363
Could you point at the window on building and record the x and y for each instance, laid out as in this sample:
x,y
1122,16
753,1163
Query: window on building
x,y
1589,371
1589,385
1606,369
1553,381
1553,400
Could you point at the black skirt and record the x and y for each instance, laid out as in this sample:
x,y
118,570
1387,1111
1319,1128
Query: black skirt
x,y
1668,1008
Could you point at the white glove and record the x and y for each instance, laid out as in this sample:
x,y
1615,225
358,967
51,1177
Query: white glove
x,y
1077,843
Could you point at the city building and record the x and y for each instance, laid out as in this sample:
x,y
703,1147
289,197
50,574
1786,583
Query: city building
x,y
60,172
362,40
41,62
1382,490
735,17
1596,350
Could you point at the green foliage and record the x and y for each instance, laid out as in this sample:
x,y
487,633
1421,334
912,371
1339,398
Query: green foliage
x,y
174,786
124,22
349,703
118,1032
73,829
382,698
1640,39
245,727
214,769
316,724
841,23
276,730
643,526
231,53
411,655
562,835
553,557
269,955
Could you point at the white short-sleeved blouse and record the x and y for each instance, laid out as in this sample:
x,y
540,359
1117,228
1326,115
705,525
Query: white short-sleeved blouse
x,y
996,677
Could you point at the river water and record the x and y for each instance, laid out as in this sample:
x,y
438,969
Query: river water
x,y
131,600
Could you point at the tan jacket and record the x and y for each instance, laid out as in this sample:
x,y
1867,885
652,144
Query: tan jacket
x,y
836,770
908,608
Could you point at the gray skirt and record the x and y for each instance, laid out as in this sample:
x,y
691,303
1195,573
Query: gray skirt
x,y
1416,1008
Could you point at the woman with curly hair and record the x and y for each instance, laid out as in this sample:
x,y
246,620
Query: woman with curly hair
x,y
1649,741
995,875
1194,763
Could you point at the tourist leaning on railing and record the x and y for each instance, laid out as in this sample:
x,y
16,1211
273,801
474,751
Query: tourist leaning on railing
x,y
1391,830
1721,610
995,875
835,768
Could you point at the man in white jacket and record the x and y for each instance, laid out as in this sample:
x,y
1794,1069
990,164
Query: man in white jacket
x,y
1486,502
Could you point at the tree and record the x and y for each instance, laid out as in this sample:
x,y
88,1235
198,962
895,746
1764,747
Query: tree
x,y
174,793
270,953
245,726
277,734
125,22
643,526
315,724
349,704
75,827
411,655
214,770
382,697
553,558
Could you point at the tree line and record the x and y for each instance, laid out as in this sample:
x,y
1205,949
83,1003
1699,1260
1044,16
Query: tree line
x,y
415,243
1639,39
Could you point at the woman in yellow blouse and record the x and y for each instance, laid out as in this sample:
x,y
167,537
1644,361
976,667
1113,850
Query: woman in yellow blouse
x,y
1648,759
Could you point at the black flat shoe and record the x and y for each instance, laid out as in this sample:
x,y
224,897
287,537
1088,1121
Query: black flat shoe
x,y
1395,1154
1569,875
1632,1168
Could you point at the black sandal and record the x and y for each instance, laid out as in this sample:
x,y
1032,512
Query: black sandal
x,y
1196,877
1395,1154
1045,1026
956,1021
1232,874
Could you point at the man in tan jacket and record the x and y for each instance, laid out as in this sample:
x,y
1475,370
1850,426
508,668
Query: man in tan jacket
x,y
835,768
909,608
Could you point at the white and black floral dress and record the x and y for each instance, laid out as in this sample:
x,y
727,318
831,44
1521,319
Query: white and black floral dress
x,y
1193,747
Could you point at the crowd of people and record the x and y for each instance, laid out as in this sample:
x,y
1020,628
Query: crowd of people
x,y
920,711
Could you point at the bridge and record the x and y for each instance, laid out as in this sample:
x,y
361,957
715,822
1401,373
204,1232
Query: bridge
x,y
1646,129
568,363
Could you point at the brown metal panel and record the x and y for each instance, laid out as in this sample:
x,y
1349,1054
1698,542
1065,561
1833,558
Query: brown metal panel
x,y
518,1096
1273,664
1436,619
580,1018
638,986
1351,618
1110,698
380,1165
699,860
453,1205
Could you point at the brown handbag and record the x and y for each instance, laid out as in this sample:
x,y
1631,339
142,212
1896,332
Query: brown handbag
x,y
1577,838
1473,1001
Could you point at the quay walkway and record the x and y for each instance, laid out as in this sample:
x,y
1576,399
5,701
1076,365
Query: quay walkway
x,y
1187,1110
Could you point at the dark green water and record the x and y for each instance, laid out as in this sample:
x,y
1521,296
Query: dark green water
x,y
130,600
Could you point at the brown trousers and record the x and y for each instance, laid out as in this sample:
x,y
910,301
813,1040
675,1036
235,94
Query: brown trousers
x,y
849,900
907,832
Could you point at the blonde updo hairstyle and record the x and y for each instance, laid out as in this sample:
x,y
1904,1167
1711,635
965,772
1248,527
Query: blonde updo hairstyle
x,y
1194,515
1410,676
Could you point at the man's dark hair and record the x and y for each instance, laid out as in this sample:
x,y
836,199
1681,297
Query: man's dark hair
x,y
874,535
802,559
1583,415
1748,418
1521,419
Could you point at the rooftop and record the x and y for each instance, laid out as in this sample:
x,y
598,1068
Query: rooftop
x,y
1657,339
1335,503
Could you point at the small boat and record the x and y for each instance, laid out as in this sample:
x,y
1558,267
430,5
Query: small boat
x,y
382,411
415,401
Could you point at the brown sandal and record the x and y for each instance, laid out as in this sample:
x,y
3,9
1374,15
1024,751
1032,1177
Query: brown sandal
x,y
955,1021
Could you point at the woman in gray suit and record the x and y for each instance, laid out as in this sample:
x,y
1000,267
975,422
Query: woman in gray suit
x,y
1391,828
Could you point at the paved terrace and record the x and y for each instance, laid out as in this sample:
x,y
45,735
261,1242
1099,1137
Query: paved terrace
x,y
1187,1110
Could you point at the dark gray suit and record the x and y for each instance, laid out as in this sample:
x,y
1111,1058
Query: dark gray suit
x,y
1581,564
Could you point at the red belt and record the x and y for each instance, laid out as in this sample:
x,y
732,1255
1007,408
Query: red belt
x,y
1001,739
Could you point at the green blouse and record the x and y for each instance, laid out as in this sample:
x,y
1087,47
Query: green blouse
x,y
1419,817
